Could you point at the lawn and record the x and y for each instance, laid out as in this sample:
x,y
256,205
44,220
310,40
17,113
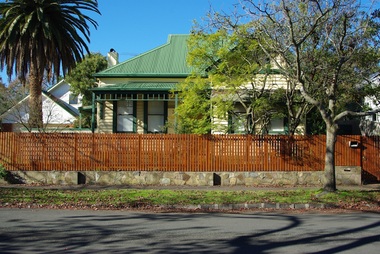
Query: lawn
x,y
137,198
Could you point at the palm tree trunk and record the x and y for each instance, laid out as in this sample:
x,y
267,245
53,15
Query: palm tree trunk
x,y
330,182
35,100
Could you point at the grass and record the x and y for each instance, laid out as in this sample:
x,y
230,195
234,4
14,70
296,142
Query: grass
x,y
139,198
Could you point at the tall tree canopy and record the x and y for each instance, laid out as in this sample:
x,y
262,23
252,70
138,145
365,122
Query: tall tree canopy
x,y
329,48
42,38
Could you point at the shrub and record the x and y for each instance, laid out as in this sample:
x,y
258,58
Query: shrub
x,y
3,172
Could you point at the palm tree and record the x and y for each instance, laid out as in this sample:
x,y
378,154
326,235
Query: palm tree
x,y
43,38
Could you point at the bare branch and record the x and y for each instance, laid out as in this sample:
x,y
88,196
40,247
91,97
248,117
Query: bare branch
x,y
356,114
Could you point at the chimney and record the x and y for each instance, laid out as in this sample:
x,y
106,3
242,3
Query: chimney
x,y
113,58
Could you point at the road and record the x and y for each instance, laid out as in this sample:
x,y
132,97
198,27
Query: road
x,y
87,231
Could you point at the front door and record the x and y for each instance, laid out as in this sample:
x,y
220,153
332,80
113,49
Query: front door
x,y
125,117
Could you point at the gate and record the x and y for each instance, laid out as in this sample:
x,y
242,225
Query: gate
x,y
370,159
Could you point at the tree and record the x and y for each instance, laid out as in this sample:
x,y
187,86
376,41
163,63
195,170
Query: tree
x,y
81,80
193,115
11,94
3,101
229,83
329,50
42,38
326,49
81,77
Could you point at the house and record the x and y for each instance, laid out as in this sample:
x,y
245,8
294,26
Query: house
x,y
136,96
60,109
370,125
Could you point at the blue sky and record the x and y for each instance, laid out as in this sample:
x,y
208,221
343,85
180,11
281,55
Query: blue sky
x,y
133,27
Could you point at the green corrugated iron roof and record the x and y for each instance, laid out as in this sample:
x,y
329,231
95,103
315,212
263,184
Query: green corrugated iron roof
x,y
168,60
138,86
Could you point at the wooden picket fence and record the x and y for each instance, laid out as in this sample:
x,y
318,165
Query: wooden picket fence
x,y
180,152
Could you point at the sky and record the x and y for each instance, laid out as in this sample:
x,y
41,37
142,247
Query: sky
x,y
132,27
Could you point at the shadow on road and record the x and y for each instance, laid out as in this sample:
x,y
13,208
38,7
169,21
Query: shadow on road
x,y
124,232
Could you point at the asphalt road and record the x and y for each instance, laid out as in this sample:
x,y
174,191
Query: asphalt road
x,y
87,231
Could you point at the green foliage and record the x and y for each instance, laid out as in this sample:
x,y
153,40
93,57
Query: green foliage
x,y
81,80
81,77
195,111
3,172
314,123
230,81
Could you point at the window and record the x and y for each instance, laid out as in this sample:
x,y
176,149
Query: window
x,y
125,117
277,126
73,99
156,116
238,120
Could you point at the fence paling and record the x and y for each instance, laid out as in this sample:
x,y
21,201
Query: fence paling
x,y
177,152
371,158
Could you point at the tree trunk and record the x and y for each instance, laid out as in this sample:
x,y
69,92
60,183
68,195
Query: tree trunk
x,y
35,101
292,126
330,183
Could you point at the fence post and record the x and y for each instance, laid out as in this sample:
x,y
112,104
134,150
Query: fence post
x,y
266,151
139,154
75,166
92,157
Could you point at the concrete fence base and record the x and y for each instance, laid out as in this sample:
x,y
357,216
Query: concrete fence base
x,y
344,176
